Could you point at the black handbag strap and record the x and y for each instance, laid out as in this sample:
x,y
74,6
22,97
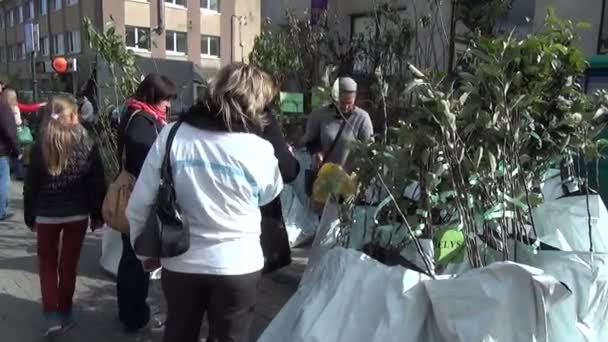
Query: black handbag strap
x,y
332,147
166,175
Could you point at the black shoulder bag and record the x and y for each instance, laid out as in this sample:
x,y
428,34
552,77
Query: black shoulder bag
x,y
310,176
167,233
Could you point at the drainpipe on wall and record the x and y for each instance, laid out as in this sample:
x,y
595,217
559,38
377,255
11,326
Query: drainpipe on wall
x,y
160,16
242,21
232,17
3,7
602,21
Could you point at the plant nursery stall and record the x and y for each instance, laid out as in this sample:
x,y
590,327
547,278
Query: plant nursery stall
x,y
476,218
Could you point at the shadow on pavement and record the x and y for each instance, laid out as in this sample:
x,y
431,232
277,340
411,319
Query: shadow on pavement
x,y
22,321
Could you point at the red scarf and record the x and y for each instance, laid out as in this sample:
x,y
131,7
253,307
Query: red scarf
x,y
160,114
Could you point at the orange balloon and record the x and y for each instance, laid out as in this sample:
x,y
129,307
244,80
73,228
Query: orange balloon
x,y
60,65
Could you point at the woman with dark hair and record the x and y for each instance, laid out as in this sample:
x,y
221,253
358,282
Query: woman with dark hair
x,y
143,119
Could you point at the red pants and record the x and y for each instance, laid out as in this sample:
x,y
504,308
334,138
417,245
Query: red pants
x,y
58,268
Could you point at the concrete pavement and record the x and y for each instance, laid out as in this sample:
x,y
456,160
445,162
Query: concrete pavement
x,y
20,307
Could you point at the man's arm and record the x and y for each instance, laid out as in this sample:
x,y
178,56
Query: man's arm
x,y
366,131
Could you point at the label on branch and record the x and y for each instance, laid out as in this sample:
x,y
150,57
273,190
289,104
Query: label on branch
x,y
449,246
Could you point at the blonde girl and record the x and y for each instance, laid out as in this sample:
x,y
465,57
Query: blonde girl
x,y
63,192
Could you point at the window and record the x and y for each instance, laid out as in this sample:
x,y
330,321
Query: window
x,y
43,7
210,46
44,46
520,17
364,28
211,5
137,37
58,42
181,3
20,51
2,54
74,42
177,42
28,10
58,4
18,15
2,21
11,18
12,52
72,2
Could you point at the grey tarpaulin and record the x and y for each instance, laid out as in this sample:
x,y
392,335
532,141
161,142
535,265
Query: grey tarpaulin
x,y
348,297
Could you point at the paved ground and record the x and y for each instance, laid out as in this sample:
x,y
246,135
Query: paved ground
x,y
20,308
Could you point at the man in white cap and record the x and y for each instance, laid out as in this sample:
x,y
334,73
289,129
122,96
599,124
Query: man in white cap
x,y
331,130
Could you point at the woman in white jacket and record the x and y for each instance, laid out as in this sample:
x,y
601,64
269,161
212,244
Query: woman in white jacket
x,y
223,173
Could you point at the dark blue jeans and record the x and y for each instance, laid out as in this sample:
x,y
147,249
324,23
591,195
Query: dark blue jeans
x,y
132,289
5,183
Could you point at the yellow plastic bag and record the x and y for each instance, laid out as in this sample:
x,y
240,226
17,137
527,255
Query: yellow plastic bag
x,y
333,180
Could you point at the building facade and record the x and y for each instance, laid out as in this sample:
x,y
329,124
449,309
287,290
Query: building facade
x,y
527,15
208,33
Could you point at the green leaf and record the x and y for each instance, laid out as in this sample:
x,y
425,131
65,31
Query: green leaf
x,y
490,69
413,84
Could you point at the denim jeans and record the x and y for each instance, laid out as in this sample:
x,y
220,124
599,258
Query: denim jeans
x,y
5,183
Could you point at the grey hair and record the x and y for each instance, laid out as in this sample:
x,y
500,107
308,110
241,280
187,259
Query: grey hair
x,y
242,92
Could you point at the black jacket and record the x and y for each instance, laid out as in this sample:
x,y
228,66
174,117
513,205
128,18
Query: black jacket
x,y
78,190
137,138
9,146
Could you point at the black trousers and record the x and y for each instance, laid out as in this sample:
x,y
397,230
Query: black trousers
x,y
228,301
132,289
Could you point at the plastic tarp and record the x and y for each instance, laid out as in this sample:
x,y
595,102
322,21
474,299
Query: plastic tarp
x,y
329,230
564,223
583,317
348,297
300,220
111,250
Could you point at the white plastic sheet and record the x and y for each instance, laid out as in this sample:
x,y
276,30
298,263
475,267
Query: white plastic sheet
x,y
583,317
111,250
328,231
564,223
326,236
348,297
300,220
